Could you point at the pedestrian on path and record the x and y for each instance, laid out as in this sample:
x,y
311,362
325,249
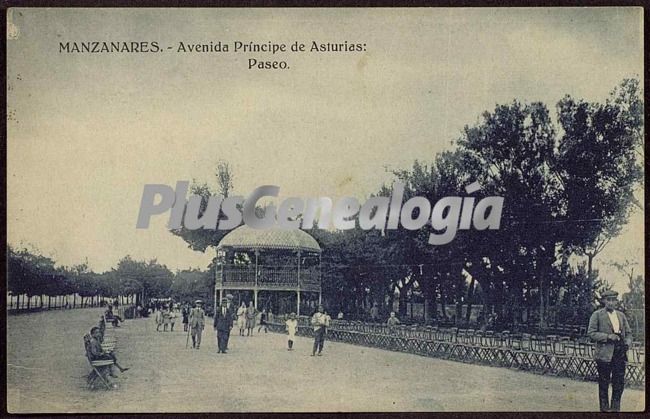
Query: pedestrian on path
x,y
172,317
611,331
241,318
197,323
186,316
319,322
292,326
166,313
263,322
223,322
159,319
250,319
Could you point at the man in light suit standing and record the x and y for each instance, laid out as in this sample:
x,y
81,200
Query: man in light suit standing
x,y
611,332
197,323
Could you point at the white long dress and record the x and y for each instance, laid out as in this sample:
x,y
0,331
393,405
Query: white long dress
x,y
241,317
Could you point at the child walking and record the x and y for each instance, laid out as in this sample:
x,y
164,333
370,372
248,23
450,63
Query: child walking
x,y
263,322
292,326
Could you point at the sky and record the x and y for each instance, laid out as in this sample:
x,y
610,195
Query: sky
x,y
86,132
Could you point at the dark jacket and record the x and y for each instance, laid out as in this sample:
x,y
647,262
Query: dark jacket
x,y
221,322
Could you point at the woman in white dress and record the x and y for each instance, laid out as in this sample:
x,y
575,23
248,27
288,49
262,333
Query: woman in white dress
x,y
159,319
172,317
241,318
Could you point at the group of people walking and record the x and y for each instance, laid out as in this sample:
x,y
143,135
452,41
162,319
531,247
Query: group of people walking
x,y
225,318
166,317
246,319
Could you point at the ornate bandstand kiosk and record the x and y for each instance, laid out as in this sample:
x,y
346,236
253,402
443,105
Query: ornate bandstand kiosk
x,y
276,269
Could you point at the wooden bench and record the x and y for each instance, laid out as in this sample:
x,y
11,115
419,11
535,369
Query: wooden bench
x,y
108,346
111,320
109,342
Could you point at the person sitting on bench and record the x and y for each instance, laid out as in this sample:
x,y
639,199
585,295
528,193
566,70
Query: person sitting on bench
x,y
110,316
97,353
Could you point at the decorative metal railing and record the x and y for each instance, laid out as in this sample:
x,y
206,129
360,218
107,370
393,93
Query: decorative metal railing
x,y
268,276
551,354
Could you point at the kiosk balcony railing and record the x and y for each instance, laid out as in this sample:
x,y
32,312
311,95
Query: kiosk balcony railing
x,y
267,276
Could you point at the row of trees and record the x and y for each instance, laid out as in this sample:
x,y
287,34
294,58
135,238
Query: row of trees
x,y
568,189
568,185
31,274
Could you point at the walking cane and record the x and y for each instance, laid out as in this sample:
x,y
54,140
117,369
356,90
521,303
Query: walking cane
x,y
187,340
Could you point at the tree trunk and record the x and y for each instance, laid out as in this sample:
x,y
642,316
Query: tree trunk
x,y
434,307
443,303
590,279
402,302
542,293
590,262
470,295
427,310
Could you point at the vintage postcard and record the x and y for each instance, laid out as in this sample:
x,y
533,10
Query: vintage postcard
x,y
325,210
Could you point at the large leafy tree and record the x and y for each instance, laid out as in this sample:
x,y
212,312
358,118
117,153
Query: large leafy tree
x,y
599,164
201,239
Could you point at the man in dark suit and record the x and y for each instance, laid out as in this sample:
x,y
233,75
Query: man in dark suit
x,y
233,313
610,330
223,321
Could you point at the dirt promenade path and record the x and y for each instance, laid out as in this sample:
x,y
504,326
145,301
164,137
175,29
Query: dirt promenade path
x,y
46,368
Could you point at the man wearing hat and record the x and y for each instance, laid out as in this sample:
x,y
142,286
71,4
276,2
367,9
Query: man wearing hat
x,y
611,332
223,321
197,322
233,313
319,321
